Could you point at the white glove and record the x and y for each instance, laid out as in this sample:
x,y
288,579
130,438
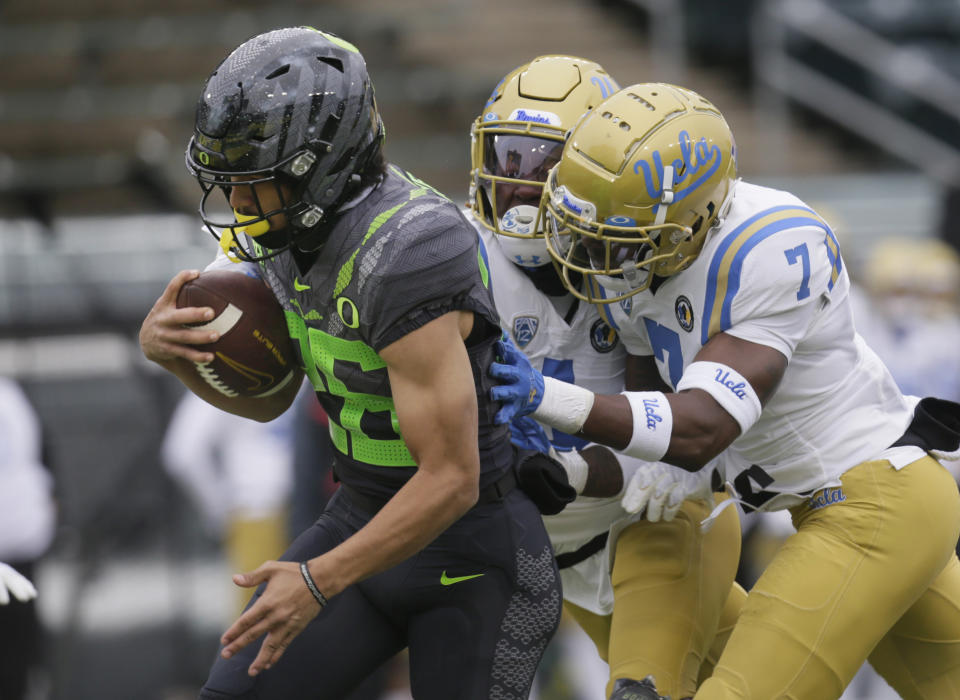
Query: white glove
x,y
661,489
575,465
16,583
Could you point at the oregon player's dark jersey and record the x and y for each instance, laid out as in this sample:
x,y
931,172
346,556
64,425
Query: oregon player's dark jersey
x,y
401,257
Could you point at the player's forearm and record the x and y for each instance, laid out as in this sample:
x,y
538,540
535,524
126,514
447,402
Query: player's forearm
x,y
605,476
686,429
699,428
421,510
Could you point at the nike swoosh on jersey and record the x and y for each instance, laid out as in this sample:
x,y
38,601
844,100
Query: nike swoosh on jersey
x,y
297,285
450,580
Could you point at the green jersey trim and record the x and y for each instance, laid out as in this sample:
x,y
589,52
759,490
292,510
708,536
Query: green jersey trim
x,y
345,275
346,272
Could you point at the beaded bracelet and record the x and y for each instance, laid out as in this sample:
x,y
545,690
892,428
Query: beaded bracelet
x,y
308,579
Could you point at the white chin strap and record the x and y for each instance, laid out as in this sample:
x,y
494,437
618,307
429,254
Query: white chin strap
x,y
634,276
667,197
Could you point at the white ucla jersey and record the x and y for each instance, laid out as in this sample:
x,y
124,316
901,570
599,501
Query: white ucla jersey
x,y
584,351
771,273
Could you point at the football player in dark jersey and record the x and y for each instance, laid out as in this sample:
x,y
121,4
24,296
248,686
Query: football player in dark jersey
x,y
428,543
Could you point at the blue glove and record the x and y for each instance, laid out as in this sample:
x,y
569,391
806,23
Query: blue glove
x,y
527,434
521,387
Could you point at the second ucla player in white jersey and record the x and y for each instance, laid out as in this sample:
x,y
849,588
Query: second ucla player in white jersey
x,y
650,594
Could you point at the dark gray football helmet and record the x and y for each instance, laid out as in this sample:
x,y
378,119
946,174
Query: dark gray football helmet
x,y
294,107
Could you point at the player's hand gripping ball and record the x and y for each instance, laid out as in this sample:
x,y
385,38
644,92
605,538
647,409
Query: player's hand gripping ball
x,y
254,356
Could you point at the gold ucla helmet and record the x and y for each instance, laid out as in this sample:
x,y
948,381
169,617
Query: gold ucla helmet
x,y
642,179
517,139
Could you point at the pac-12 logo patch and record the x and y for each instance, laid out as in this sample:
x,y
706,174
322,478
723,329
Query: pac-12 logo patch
x,y
684,311
524,329
602,337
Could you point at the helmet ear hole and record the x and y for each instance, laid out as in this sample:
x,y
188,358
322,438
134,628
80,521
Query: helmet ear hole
x,y
711,217
695,227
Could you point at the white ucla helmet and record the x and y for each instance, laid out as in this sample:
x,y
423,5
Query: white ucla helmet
x,y
642,179
517,139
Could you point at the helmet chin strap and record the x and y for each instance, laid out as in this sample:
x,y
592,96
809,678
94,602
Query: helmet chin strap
x,y
229,245
667,197
631,273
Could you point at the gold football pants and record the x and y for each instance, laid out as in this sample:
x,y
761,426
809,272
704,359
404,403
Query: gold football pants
x,y
871,572
673,589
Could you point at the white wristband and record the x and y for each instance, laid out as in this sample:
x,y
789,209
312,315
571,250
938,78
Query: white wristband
x,y
652,425
564,406
728,387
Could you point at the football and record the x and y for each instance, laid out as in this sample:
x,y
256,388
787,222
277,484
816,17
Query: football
x,y
254,356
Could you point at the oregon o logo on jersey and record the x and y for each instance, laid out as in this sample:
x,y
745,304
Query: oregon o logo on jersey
x,y
602,337
684,311
348,312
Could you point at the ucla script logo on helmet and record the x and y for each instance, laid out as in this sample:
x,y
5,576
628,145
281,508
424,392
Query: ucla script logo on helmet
x,y
694,157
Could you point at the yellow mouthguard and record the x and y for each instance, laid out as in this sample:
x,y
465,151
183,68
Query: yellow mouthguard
x,y
228,241
253,230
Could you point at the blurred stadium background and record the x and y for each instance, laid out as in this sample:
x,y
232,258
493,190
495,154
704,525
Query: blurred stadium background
x,y
852,104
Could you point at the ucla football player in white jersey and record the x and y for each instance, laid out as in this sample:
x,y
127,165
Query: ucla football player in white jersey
x,y
649,594
732,302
